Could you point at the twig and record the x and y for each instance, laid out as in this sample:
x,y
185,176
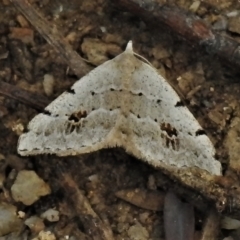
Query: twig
x,y
186,25
53,37
211,226
33,100
226,200
92,223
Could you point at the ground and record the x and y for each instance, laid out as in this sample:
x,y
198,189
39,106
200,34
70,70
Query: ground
x,y
99,30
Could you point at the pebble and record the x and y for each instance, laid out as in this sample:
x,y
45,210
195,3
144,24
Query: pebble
x,y
45,235
234,24
220,24
48,84
28,187
138,232
230,223
51,215
195,5
35,224
233,13
9,221
97,51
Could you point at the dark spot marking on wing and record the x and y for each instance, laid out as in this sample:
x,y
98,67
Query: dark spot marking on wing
x,y
70,128
123,132
169,134
93,93
77,116
200,132
179,104
46,112
23,150
216,156
140,94
171,131
196,154
70,90
158,101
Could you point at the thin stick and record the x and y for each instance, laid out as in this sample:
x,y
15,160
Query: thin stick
x,y
91,221
33,100
186,25
53,37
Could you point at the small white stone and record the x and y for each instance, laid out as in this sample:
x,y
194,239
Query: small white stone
x,y
21,214
48,84
35,224
28,187
230,223
46,235
9,221
138,232
94,178
103,29
195,5
233,13
228,238
51,215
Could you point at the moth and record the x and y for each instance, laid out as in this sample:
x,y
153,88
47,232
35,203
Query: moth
x,y
123,103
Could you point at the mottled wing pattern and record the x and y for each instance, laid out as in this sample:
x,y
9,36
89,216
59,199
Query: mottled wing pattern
x,y
79,120
124,102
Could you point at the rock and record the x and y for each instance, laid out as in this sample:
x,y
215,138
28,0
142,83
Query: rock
x,y
234,24
228,238
51,215
35,224
22,21
194,6
191,79
233,13
28,187
138,232
159,52
230,223
45,235
97,51
26,35
122,227
48,84
9,221
217,117
220,24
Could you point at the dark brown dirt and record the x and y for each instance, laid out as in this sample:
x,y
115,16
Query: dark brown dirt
x,y
98,30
